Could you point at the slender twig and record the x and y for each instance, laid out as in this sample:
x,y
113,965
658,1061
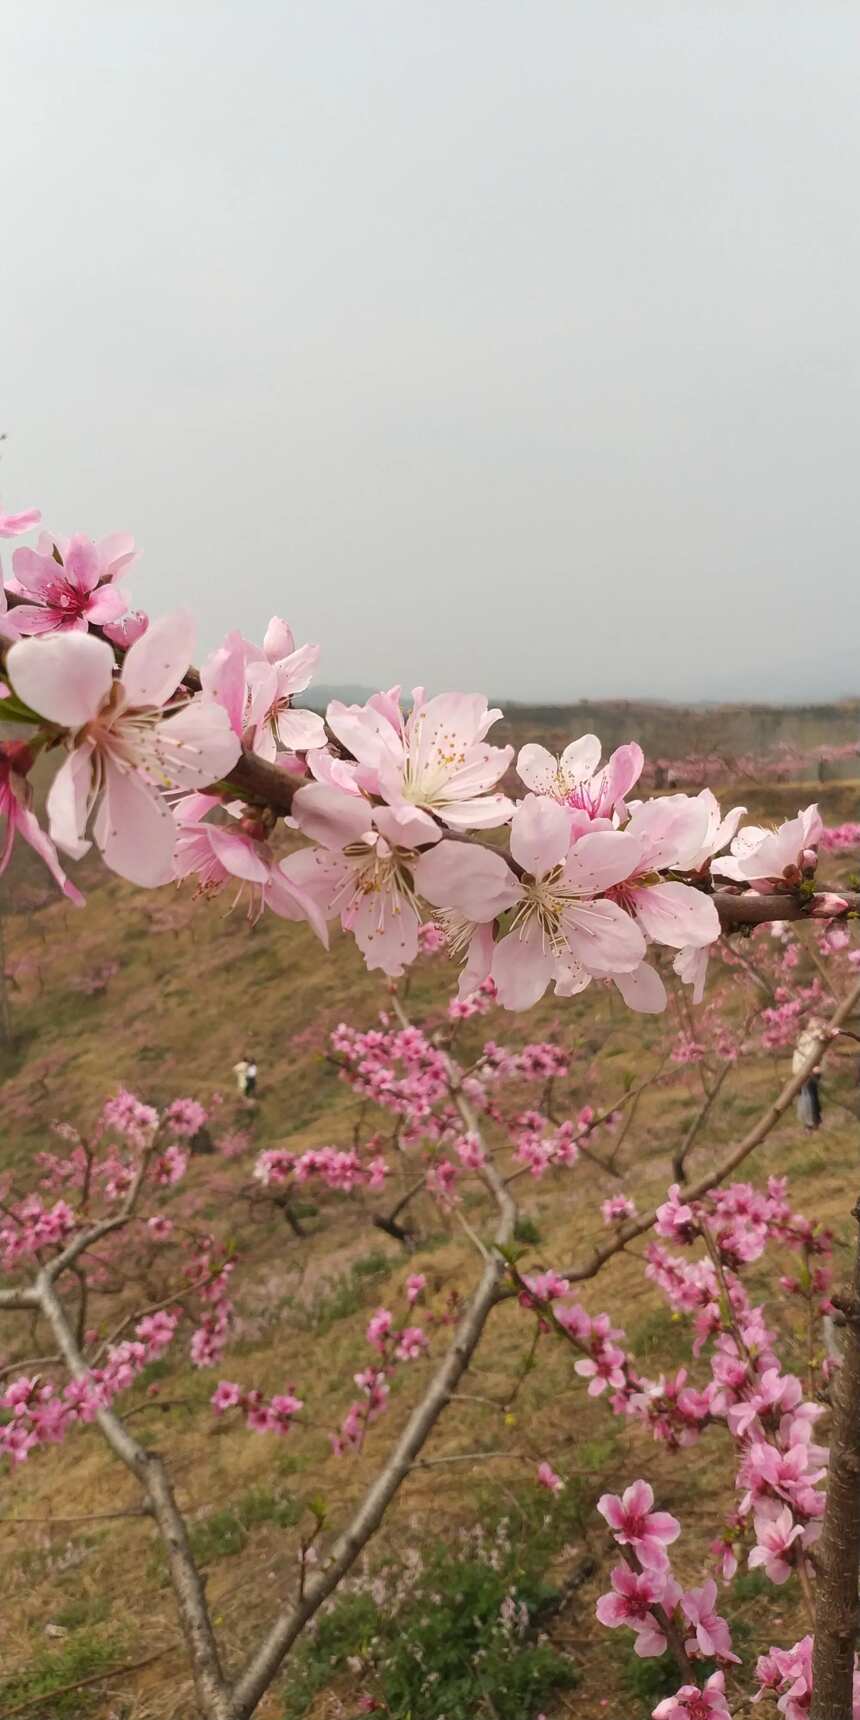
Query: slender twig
x,y
82,1683
633,1227
149,1469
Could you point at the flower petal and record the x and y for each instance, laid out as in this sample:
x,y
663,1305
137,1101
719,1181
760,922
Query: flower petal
x,y
540,834
134,828
156,662
65,678
475,881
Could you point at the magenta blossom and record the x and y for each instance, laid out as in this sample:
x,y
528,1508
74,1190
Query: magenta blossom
x,y
691,1703
635,1594
634,1524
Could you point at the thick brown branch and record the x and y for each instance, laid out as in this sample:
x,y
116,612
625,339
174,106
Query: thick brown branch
x,y
838,1552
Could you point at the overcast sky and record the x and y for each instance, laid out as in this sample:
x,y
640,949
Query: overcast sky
x,y
497,344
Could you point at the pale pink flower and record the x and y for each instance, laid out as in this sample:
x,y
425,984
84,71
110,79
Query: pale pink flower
x,y
668,833
16,808
218,855
776,1533
437,758
123,749
561,931
14,525
546,1477
69,584
415,1284
257,687
773,859
691,966
274,678
576,780
634,1524
362,871
718,832
711,1638
691,1703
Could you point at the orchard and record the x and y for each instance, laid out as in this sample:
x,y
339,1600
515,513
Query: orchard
x,y
534,877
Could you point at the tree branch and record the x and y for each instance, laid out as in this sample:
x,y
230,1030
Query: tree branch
x,y
149,1469
263,1665
634,1227
838,1551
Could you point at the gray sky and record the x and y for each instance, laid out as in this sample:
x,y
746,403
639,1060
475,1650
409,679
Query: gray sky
x,y
510,346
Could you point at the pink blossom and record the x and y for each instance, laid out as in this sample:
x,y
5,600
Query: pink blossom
x,y
776,1533
411,1343
561,931
16,807
547,1478
634,1595
577,782
691,1703
363,870
14,525
617,1208
668,833
274,678
69,585
415,1284
470,1151
126,631
437,758
772,859
257,687
711,1633
606,1369
120,743
379,1329
634,1524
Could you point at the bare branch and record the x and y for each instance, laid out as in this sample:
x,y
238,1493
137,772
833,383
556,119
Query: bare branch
x,y
263,1665
634,1227
149,1469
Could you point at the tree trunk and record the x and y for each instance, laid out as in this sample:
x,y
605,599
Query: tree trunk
x,y
837,1555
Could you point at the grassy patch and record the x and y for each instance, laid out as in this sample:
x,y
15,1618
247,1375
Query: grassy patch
x,y
451,1636
50,1670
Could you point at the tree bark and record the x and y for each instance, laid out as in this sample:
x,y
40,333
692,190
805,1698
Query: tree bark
x,y
838,1551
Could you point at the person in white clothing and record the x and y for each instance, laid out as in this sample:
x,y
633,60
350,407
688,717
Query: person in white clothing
x,y
808,1101
245,1072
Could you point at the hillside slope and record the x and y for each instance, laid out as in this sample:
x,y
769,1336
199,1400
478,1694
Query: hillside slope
x,y
162,995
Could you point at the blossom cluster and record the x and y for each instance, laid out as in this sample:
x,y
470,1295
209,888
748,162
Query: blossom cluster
x,y
393,799
41,1413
